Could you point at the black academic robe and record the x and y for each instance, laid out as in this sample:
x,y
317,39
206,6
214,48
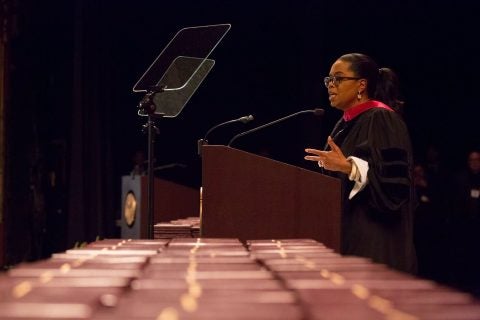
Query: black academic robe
x,y
377,222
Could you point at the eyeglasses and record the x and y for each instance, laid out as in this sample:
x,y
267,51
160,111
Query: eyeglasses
x,y
337,80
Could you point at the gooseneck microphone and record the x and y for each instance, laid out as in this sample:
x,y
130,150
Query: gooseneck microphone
x,y
201,142
318,112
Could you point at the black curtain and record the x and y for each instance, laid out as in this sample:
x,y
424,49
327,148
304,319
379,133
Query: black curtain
x,y
92,182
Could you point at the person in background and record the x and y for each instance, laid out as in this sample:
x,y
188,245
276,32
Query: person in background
x,y
429,226
439,177
467,189
369,149
465,227
139,163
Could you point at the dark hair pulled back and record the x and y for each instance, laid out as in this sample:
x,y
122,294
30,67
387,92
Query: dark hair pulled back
x,y
382,83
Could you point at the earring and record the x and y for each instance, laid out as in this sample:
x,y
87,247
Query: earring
x,y
359,95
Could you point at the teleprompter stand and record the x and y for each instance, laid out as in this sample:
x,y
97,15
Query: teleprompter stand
x,y
169,83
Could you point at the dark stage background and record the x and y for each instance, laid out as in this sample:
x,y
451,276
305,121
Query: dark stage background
x,y
72,124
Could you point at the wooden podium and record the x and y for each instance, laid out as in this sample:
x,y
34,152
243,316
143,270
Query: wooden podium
x,y
171,201
252,197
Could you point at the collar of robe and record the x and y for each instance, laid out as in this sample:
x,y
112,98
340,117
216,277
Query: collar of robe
x,y
357,110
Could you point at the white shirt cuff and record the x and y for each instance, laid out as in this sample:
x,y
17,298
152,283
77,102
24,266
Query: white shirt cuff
x,y
358,174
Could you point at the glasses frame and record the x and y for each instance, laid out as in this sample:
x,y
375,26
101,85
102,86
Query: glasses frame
x,y
337,80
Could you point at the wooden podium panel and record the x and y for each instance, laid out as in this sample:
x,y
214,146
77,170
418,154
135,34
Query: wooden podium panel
x,y
171,201
247,196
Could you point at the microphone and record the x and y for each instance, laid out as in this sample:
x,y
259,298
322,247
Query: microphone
x,y
201,142
317,111
170,165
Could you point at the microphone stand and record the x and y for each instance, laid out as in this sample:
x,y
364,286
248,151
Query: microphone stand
x,y
147,107
204,141
317,111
